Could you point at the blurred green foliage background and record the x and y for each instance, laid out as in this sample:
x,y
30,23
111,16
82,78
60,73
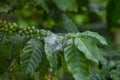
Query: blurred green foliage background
x,y
63,16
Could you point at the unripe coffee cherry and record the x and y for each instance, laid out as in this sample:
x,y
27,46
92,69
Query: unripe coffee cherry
x,y
20,32
33,27
28,28
14,24
11,27
9,24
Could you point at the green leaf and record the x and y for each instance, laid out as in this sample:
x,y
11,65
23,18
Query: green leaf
x,y
31,57
96,36
68,24
17,44
52,53
115,74
89,48
55,63
49,50
43,68
44,5
76,62
70,5
5,52
113,13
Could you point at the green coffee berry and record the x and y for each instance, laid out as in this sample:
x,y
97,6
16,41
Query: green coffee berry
x,y
14,24
30,31
37,31
33,27
20,32
11,27
9,23
28,28
43,32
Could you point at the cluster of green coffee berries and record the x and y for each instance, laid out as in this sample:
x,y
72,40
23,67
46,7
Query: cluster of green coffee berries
x,y
29,32
32,32
7,27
